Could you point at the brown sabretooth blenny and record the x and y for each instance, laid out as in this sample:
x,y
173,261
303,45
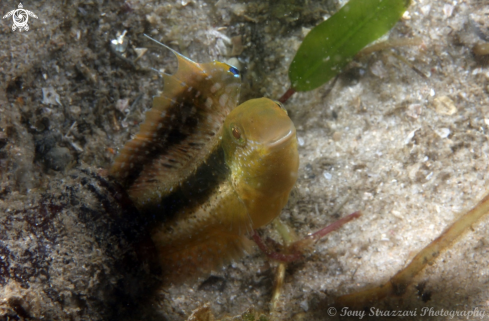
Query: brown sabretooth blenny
x,y
207,173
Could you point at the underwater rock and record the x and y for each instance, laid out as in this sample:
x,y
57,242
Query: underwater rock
x,y
58,158
45,142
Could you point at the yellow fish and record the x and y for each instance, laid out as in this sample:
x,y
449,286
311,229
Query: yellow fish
x,y
206,173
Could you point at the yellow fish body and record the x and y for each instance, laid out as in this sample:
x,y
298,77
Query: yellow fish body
x,y
204,172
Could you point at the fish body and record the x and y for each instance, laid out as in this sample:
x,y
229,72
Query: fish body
x,y
206,172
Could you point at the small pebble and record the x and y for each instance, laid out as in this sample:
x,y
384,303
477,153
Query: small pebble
x,y
327,175
481,49
122,105
50,97
444,106
336,136
58,158
442,132
414,110
378,69
300,140
448,10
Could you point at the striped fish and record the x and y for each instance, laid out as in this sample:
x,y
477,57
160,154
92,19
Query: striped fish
x,y
206,172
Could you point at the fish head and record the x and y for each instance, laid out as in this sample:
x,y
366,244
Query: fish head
x,y
260,146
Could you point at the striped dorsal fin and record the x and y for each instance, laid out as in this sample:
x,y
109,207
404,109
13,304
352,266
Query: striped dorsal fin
x,y
180,131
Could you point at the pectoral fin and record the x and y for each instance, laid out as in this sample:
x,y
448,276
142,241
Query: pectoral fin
x,y
199,240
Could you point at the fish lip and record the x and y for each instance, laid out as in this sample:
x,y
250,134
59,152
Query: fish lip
x,y
282,139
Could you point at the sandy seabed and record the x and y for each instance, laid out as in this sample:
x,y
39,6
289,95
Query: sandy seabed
x,y
410,152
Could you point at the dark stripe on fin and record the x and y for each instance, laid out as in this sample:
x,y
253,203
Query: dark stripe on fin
x,y
192,193
183,126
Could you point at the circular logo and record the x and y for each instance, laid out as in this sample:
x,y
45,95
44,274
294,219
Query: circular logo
x,y
20,18
331,311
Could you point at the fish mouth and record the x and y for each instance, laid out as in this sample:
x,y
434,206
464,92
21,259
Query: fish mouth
x,y
282,139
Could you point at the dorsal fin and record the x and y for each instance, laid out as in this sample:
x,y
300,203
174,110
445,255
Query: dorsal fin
x,y
180,131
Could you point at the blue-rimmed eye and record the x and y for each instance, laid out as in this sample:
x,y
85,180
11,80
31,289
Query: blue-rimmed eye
x,y
234,70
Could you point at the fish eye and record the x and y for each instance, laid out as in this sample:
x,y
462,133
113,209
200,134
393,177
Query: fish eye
x,y
237,134
234,70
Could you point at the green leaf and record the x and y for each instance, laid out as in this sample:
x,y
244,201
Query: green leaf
x,y
331,45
